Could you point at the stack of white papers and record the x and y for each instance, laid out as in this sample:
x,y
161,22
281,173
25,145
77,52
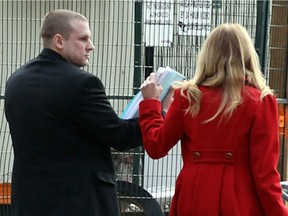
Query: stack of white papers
x,y
165,77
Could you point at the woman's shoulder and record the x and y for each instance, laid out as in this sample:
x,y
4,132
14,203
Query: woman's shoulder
x,y
203,90
253,95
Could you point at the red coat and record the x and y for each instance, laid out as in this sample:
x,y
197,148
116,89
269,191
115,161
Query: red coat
x,y
229,167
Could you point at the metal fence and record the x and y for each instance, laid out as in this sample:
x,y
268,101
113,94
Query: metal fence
x,y
133,38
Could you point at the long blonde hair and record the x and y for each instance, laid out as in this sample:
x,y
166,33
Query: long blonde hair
x,y
227,59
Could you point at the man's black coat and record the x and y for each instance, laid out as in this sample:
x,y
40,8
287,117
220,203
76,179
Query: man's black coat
x,y
62,127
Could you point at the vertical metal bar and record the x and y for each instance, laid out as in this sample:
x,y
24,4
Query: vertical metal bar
x,y
261,38
137,78
149,60
137,53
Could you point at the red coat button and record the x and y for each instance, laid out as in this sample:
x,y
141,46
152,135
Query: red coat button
x,y
229,156
196,155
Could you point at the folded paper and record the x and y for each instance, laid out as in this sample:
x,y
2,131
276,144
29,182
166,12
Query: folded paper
x,y
165,77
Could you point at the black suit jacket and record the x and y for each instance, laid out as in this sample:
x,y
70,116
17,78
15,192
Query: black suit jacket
x,y
62,127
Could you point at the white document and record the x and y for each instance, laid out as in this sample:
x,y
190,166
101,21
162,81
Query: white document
x,y
165,77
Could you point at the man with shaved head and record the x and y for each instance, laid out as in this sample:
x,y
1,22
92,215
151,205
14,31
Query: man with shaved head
x,y
63,127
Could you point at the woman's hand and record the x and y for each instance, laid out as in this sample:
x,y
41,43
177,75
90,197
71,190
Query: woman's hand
x,y
168,100
150,89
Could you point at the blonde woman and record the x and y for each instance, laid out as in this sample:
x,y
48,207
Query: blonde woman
x,y
226,119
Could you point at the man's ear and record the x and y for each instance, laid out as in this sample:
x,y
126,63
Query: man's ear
x,y
58,41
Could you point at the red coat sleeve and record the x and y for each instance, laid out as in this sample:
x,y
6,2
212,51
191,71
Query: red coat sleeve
x,y
264,155
159,134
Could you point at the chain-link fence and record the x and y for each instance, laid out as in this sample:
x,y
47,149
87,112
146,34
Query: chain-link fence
x,y
133,38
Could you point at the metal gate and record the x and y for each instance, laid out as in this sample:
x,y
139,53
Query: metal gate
x,y
125,53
